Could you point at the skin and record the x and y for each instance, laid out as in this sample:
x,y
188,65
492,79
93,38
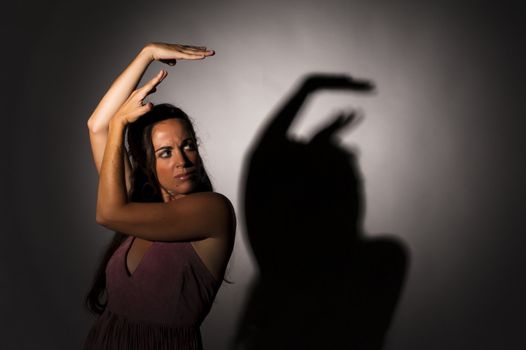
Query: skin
x,y
175,154
205,219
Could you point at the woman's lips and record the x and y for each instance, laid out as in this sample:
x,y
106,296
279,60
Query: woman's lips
x,y
185,176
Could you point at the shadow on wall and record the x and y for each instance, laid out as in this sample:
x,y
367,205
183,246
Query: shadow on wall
x,y
322,285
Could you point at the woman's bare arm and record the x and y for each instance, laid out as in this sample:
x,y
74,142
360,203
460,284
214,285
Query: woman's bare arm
x,y
193,217
119,91
124,85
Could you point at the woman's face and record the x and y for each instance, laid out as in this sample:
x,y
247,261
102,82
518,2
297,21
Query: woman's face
x,y
177,161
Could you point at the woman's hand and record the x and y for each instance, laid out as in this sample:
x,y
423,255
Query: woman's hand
x,y
134,106
170,53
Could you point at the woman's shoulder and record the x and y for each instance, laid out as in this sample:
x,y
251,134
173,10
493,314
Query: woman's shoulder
x,y
207,194
210,198
225,205
215,204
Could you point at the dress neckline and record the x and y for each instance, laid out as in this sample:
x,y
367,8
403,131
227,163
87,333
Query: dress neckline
x,y
129,273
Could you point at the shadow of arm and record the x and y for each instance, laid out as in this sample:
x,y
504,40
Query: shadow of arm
x,y
279,124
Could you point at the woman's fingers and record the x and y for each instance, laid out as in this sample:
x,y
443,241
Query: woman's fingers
x,y
142,110
201,51
150,86
194,53
168,53
135,106
138,112
191,56
195,48
191,52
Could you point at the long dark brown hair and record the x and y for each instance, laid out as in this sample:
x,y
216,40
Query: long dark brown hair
x,y
144,186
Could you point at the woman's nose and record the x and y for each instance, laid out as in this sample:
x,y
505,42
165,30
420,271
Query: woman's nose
x,y
180,160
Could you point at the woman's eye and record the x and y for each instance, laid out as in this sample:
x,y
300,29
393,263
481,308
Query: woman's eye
x,y
190,147
165,154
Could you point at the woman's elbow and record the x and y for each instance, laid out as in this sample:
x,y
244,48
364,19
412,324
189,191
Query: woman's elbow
x,y
109,216
100,219
90,124
103,218
94,127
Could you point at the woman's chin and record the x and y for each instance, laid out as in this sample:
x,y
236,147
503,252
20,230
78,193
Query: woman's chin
x,y
183,188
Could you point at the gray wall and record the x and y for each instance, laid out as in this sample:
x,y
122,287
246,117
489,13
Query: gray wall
x,y
440,147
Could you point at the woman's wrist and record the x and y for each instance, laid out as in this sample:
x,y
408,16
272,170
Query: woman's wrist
x,y
147,53
118,122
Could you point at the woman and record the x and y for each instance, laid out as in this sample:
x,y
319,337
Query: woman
x,y
160,275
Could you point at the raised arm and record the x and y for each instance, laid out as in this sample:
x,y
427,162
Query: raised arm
x,y
196,216
125,84
119,91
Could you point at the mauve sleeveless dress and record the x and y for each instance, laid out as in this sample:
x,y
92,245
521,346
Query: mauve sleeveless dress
x,y
160,306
